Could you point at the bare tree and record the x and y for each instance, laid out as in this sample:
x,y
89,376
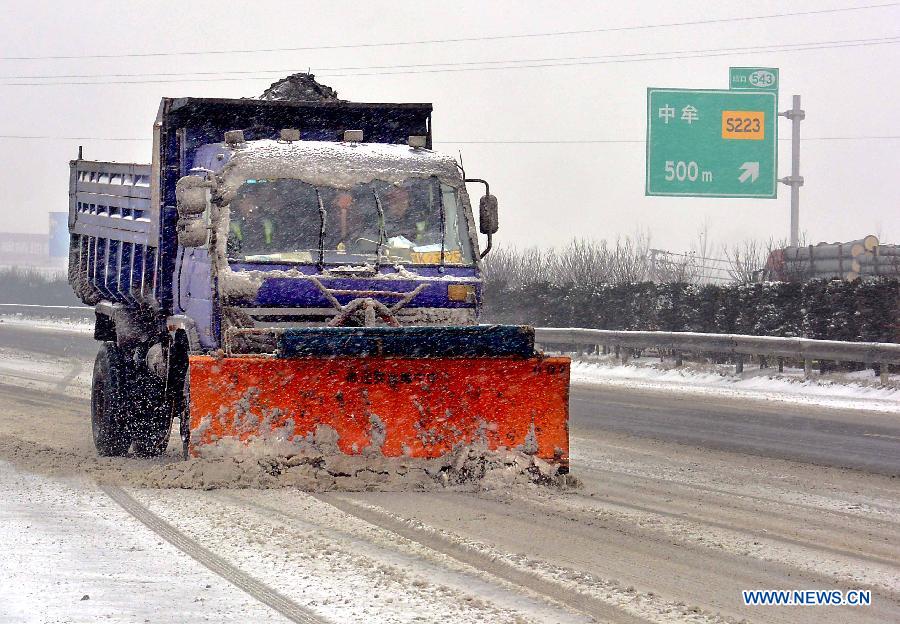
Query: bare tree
x,y
747,261
675,267
509,267
581,262
630,260
703,247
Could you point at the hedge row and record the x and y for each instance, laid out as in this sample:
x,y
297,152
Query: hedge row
x,y
828,310
35,287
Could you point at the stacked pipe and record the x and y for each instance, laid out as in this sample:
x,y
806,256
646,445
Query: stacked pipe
x,y
865,257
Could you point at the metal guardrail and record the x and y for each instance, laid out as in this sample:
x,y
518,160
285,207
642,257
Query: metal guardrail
x,y
802,349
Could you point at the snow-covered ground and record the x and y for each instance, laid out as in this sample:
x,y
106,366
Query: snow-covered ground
x,y
70,554
659,531
859,390
76,325
45,372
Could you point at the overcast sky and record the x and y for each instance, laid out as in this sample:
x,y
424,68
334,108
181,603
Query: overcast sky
x,y
548,193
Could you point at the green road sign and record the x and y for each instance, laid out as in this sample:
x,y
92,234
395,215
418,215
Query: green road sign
x,y
753,78
711,143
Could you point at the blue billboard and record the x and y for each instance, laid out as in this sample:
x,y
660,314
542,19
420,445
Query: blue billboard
x,y
59,234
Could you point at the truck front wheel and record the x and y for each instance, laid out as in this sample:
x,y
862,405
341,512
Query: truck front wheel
x,y
108,402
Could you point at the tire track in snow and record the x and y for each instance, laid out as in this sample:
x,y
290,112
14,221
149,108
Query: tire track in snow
x,y
261,592
39,398
537,606
583,603
74,371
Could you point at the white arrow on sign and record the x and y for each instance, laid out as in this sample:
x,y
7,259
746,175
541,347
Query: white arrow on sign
x,y
750,170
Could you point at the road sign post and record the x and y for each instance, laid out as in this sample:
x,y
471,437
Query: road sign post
x,y
712,143
795,180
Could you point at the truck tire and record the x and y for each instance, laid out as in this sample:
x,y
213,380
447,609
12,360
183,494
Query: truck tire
x,y
109,402
184,417
179,387
150,419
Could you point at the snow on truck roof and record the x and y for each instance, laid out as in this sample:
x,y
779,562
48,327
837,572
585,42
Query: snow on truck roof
x,y
338,165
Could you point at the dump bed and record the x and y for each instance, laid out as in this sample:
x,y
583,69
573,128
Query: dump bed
x,y
113,251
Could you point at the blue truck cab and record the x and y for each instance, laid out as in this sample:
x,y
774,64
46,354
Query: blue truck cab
x,y
257,215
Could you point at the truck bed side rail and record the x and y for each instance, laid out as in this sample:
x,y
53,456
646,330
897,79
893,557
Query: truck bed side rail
x,y
112,255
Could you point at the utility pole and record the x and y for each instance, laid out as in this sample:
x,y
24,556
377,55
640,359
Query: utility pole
x,y
795,180
654,273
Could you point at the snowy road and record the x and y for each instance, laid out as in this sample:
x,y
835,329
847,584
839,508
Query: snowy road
x,y
666,528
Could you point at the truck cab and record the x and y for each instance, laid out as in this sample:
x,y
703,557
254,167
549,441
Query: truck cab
x,y
288,232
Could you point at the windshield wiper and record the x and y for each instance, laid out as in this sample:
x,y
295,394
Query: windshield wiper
x,y
321,264
382,237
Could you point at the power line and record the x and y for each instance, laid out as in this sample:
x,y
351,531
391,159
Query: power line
x,y
641,141
62,138
888,39
607,60
469,142
629,60
559,33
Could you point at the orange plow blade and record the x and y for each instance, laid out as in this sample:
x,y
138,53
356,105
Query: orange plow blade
x,y
412,407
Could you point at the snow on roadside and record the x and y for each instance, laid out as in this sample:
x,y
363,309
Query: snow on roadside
x,y
69,325
751,385
70,554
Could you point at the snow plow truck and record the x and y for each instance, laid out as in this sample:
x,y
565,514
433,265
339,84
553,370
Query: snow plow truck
x,y
287,266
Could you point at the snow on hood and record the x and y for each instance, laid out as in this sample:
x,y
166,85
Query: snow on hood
x,y
338,165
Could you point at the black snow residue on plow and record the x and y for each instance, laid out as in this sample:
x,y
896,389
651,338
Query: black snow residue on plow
x,y
464,341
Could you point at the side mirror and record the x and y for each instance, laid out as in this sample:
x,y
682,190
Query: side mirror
x,y
191,196
192,232
487,215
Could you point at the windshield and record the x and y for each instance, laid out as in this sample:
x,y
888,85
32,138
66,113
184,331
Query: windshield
x,y
281,221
